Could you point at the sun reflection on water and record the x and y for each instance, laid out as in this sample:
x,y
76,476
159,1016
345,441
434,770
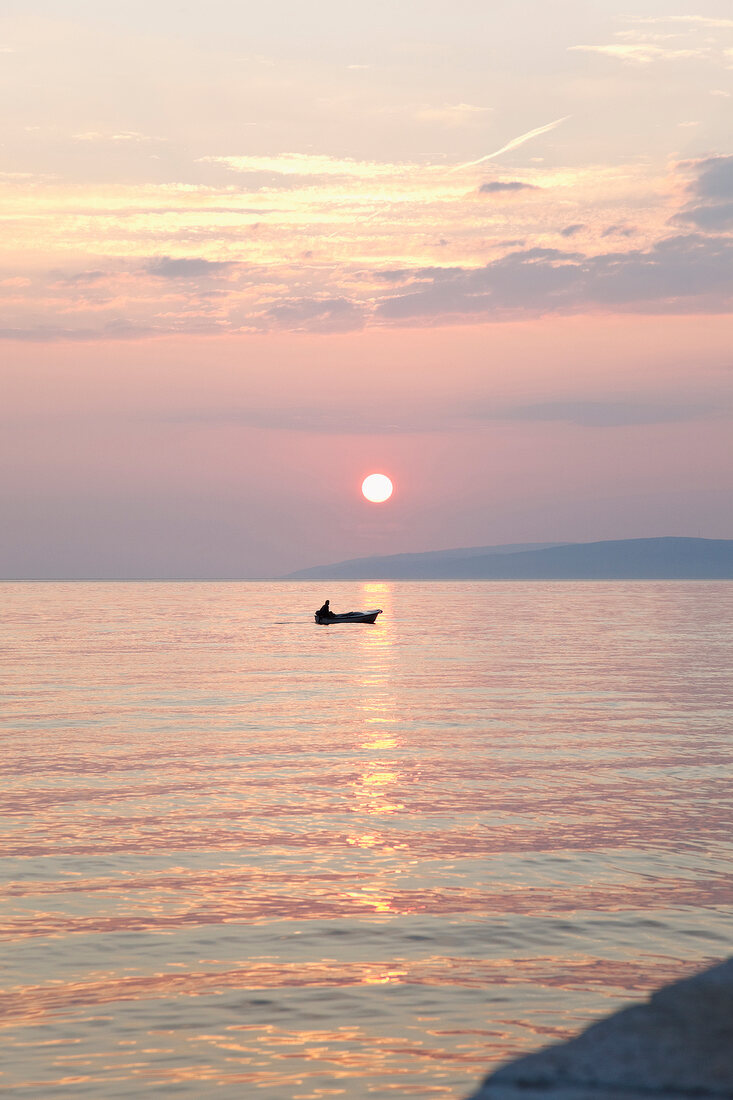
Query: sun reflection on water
x,y
377,706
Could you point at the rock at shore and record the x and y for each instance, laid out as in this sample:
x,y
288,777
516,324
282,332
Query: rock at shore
x,y
677,1045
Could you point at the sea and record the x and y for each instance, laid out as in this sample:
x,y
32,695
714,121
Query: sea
x,y
244,855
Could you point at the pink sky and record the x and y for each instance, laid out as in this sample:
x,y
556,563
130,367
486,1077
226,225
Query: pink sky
x,y
247,262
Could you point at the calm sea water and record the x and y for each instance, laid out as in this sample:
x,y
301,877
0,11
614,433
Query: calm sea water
x,y
244,855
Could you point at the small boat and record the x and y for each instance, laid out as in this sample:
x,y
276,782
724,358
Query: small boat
x,y
348,617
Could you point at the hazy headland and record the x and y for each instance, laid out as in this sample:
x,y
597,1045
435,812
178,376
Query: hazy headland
x,y
617,559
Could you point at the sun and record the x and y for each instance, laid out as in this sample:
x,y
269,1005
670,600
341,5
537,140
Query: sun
x,y
377,488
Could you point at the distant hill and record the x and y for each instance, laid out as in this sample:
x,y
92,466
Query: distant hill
x,y
408,566
618,559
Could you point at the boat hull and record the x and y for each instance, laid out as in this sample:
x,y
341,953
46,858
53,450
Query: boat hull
x,y
349,617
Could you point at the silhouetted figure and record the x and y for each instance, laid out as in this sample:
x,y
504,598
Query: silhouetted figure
x,y
325,612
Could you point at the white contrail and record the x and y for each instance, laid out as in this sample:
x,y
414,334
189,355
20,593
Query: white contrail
x,y
513,143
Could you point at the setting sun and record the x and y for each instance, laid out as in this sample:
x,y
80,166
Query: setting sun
x,y
377,488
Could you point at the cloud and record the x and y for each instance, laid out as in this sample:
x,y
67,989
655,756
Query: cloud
x,y
80,278
315,315
329,419
535,275
683,272
693,20
396,274
712,210
641,53
24,177
618,231
371,277
304,164
165,267
715,178
113,330
686,273
129,136
609,414
458,114
396,416
496,187
669,38
16,282
714,218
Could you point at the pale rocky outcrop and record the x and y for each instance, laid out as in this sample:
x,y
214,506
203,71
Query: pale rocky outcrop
x,y
677,1045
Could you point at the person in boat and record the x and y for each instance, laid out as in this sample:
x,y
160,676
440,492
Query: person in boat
x,y
325,612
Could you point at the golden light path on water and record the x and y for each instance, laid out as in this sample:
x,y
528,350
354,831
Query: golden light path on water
x,y
244,854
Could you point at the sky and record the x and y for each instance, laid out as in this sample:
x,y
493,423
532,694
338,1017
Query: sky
x,y
252,253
